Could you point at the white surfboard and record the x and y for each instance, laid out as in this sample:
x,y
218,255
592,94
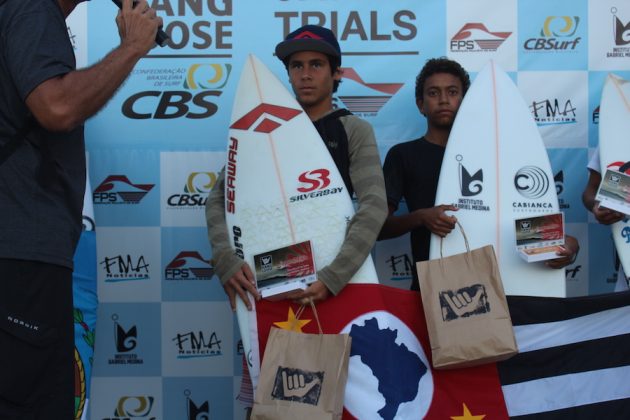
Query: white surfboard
x,y
282,186
496,170
614,149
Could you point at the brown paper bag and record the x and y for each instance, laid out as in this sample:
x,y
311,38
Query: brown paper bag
x,y
465,308
302,376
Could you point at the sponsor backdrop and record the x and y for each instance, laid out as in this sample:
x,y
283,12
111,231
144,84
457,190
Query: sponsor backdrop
x,y
167,345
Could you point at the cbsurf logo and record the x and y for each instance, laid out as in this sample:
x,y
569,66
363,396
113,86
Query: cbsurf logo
x,y
189,265
367,99
133,407
475,37
557,34
314,184
118,189
195,192
178,92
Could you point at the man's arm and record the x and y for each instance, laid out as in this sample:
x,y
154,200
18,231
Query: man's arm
x,y
235,274
603,215
433,218
366,176
63,102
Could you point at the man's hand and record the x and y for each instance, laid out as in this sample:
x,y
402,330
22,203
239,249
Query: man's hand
x,y
137,26
437,221
239,284
462,303
316,291
295,385
606,216
567,255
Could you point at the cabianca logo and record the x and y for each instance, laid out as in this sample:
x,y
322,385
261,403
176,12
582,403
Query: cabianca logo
x,y
266,118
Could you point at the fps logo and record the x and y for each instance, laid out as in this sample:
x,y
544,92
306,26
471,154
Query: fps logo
x,y
555,27
125,341
202,83
125,268
189,265
375,97
195,192
197,344
117,189
133,408
475,37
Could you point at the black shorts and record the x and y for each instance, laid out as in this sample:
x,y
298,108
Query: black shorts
x,y
36,341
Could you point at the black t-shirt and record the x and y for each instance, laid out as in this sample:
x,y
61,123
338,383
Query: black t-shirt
x,y
42,183
411,171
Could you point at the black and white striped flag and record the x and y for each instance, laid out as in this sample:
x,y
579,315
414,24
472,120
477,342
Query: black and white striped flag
x,y
574,360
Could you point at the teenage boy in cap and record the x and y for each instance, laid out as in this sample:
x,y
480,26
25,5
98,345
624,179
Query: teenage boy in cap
x,y
412,168
312,57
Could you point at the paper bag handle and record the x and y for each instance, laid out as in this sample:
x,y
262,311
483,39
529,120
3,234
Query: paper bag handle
x,y
461,229
298,313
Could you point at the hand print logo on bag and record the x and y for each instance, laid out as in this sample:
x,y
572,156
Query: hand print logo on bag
x,y
297,385
465,302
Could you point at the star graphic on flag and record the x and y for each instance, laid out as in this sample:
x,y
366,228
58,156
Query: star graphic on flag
x,y
292,323
467,415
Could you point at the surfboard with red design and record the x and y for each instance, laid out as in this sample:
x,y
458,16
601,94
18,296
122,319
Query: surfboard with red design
x,y
282,186
614,149
496,170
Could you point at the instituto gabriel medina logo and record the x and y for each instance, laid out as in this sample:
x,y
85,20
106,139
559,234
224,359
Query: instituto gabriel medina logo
x,y
367,99
207,76
475,37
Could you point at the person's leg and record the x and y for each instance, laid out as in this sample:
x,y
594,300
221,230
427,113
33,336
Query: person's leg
x,y
36,341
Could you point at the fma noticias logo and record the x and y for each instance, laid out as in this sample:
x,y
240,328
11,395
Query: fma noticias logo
x,y
118,189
